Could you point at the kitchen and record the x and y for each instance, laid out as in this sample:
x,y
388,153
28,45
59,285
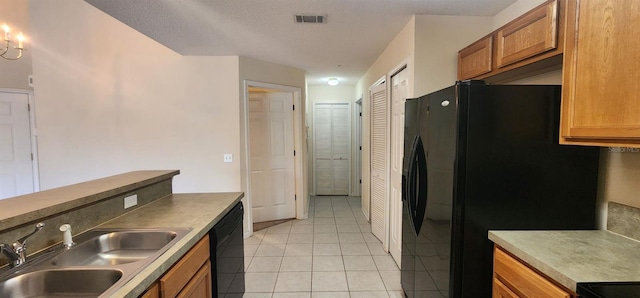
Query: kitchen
x,y
79,147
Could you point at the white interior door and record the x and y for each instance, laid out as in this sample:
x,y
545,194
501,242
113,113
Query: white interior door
x,y
16,164
398,97
379,159
332,148
271,156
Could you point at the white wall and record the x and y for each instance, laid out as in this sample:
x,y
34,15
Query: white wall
x,y
331,94
111,100
13,74
437,42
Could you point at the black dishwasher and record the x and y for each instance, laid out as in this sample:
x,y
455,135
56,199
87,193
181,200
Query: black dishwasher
x,y
609,290
227,245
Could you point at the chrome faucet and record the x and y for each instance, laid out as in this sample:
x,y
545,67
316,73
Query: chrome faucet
x,y
17,253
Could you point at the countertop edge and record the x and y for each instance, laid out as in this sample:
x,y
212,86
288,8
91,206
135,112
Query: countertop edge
x,y
145,278
105,185
569,257
534,262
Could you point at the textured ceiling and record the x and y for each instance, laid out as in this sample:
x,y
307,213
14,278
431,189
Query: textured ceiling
x,y
356,32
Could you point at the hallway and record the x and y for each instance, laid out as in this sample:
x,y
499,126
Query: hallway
x,y
330,254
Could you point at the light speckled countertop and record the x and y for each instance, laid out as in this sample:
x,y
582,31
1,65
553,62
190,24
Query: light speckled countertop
x,y
197,211
571,257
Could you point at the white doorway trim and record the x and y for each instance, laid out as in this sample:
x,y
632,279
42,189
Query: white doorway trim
x,y
396,142
33,132
357,150
298,139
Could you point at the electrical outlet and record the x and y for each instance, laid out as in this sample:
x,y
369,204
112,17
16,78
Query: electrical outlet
x,y
130,201
228,158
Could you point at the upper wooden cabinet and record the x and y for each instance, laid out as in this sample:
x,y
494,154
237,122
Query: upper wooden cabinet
x,y
531,34
601,74
475,59
532,39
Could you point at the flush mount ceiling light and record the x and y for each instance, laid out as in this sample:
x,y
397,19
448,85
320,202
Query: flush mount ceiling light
x,y
333,82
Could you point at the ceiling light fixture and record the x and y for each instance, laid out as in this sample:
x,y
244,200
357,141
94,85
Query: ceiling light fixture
x,y
7,39
333,82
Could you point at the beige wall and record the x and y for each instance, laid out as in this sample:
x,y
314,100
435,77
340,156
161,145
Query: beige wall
x,y
428,45
331,94
437,42
513,11
621,179
399,51
111,100
13,74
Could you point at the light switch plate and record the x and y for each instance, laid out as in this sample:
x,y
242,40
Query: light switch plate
x,y
130,201
228,158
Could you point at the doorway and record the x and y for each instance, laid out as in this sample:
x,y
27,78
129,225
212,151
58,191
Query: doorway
x,y
18,158
271,154
357,188
273,158
399,91
379,160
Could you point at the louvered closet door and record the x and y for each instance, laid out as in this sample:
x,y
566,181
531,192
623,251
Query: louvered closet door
x,y
378,160
332,148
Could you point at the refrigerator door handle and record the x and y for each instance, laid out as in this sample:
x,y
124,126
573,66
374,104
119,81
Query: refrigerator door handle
x,y
416,185
421,186
410,184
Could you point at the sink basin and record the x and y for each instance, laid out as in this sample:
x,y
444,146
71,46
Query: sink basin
x,y
114,248
101,262
60,283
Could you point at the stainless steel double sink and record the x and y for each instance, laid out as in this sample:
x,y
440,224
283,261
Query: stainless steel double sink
x,y
101,262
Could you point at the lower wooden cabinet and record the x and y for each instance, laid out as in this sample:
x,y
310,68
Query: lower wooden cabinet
x,y
513,278
189,277
200,285
152,292
502,291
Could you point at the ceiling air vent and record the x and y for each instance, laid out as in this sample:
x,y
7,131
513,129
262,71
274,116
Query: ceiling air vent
x,y
310,19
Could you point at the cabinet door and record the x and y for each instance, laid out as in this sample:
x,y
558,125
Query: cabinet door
x,y
152,292
184,270
200,285
601,79
534,33
502,291
519,278
475,59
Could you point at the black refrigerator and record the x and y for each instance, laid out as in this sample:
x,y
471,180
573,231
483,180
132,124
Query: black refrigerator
x,y
483,157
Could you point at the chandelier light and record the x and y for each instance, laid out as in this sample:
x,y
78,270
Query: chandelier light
x,y
10,47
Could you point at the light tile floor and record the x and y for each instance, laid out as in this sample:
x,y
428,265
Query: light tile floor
x,y
330,254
